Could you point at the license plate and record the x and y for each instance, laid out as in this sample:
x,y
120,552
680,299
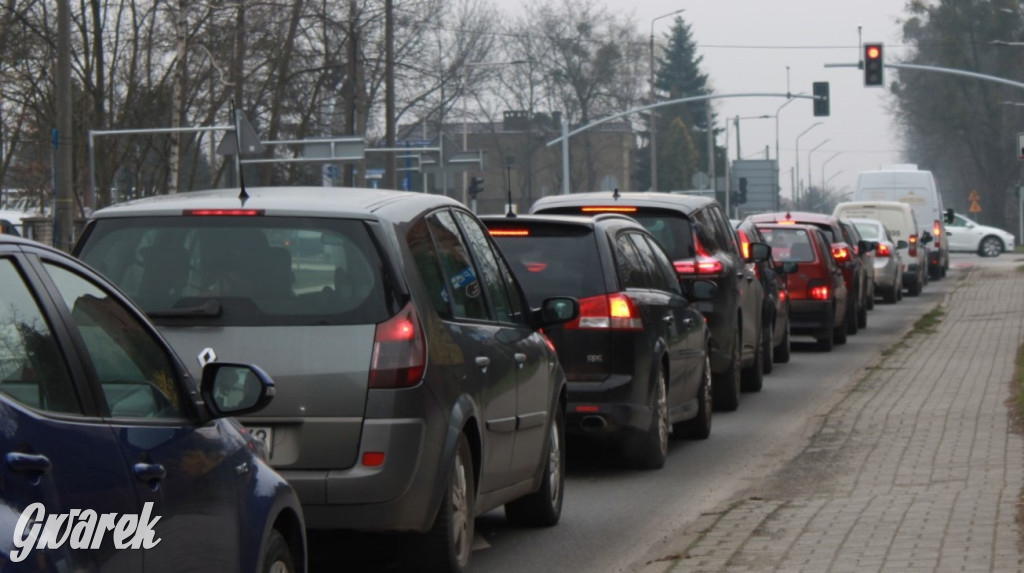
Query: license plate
x,y
264,435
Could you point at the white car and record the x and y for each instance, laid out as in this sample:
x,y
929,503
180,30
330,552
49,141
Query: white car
x,y
964,235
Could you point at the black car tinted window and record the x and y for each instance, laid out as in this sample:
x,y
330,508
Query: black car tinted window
x,y
259,270
724,233
659,270
488,265
464,291
553,260
631,270
789,244
32,369
671,229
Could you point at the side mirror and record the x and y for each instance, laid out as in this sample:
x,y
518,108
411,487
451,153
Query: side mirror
x,y
760,252
926,238
901,244
865,246
790,267
703,290
556,310
949,218
235,389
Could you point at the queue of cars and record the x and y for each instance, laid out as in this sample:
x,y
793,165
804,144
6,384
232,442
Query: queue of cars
x,y
428,363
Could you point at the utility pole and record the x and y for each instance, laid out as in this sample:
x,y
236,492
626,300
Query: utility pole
x,y
63,231
237,67
353,88
390,167
178,93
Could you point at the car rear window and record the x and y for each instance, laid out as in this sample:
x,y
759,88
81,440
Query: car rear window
x,y
868,231
244,271
671,229
552,260
789,244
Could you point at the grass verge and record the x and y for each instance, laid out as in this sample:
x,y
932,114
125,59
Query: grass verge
x,y
924,325
1016,404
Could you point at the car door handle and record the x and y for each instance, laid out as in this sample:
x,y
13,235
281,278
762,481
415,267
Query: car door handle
x,y
28,463
483,362
669,319
149,473
520,359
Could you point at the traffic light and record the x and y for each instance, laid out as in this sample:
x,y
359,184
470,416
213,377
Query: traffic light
x,y
821,101
476,186
743,191
873,64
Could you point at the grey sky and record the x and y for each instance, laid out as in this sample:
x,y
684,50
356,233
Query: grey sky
x,y
747,45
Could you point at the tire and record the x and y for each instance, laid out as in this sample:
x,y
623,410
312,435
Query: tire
x,y
649,450
727,384
840,332
852,310
826,343
447,546
915,288
934,273
782,351
990,246
899,293
890,295
278,557
862,318
768,350
543,508
752,377
699,427
871,301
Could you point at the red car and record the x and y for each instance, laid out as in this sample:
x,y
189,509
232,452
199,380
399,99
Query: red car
x,y
818,295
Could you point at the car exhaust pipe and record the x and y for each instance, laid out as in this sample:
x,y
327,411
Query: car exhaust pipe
x,y
593,423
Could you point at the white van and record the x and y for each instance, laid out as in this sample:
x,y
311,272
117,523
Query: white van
x,y
899,219
907,184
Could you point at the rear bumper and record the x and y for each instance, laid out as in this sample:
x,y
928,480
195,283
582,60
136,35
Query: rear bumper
x,y
606,408
811,317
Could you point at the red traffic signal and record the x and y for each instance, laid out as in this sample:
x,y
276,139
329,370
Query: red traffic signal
x,y
873,65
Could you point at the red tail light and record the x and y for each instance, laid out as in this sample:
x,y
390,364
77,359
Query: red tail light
x,y
782,295
607,311
609,209
509,232
912,250
399,351
937,232
703,264
883,250
222,212
744,244
819,292
840,252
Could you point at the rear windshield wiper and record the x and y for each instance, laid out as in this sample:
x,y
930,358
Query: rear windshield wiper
x,y
209,308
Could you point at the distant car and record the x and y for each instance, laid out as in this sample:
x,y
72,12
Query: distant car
x,y
818,294
100,415
8,228
845,251
900,220
865,250
887,261
967,236
776,297
695,233
415,387
637,357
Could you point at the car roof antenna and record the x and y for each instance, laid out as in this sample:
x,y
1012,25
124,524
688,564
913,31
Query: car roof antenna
x,y
508,185
615,194
242,195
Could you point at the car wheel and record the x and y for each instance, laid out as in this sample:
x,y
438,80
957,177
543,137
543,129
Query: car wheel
x,y
839,333
278,557
543,508
934,273
768,349
827,343
446,547
990,246
651,449
890,295
915,287
782,350
727,384
852,311
699,427
871,300
862,317
752,378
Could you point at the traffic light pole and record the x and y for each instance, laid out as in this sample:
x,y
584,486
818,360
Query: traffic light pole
x,y
950,71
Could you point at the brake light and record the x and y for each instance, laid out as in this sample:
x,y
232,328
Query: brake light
x,y
222,212
782,296
787,221
703,264
608,209
819,292
841,253
912,250
536,267
883,250
509,232
937,231
399,351
607,311
744,244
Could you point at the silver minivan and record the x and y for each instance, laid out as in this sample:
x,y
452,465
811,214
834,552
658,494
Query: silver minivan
x,y
900,220
415,387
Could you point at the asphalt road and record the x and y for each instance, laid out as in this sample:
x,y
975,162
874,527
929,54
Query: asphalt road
x,y
612,516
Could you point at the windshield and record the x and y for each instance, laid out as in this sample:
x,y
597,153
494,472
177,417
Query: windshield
x,y
243,270
554,260
789,244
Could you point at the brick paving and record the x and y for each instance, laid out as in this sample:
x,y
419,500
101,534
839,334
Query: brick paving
x,y
917,469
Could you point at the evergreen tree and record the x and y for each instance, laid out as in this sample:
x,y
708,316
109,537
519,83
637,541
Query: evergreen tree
x,y
680,157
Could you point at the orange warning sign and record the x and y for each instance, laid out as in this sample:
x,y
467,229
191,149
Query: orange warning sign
x,y
973,196
975,207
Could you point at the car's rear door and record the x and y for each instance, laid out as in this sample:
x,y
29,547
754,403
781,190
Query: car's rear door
x,y
56,450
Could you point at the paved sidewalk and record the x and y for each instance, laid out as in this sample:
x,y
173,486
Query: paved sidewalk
x,y
917,469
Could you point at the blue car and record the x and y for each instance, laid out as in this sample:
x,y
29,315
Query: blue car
x,y
114,458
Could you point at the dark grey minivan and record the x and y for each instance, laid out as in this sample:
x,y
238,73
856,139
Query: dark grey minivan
x,y
415,388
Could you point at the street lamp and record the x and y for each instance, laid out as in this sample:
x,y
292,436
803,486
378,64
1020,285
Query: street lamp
x,y
823,164
736,122
796,186
816,147
654,124
465,111
833,176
